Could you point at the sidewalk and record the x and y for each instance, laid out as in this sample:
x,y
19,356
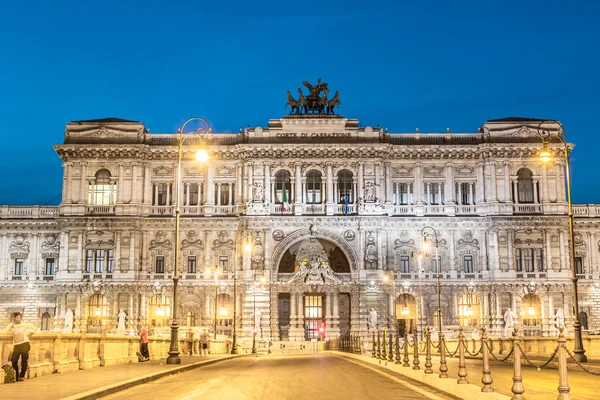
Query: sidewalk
x,y
539,385
96,382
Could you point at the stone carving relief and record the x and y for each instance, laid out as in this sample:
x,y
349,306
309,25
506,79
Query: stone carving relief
x,y
434,171
402,171
349,235
160,241
257,252
223,240
19,248
100,239
224,171
191,240
369,192
312,264
404,242
104,133
50,246
578,240
467,240
258,192
193,171
278,235
370,252
163,171
522,132
465,170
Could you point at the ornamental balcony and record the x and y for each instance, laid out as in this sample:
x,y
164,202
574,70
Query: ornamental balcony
x,y
29,212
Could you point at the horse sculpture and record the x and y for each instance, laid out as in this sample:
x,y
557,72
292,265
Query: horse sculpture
x,y
293,103
303,102
322,104
335,102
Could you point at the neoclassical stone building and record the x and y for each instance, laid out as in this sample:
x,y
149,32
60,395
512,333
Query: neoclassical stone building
x,y
318,220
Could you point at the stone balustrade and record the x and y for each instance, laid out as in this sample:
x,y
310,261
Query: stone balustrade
x,y
65,352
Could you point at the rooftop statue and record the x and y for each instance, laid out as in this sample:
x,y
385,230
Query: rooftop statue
x,y
314,102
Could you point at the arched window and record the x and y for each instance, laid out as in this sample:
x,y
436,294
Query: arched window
x,y
469,310
283,187
313,187
159,310
345,187
525,186
46,321
531,314
97,313
102,191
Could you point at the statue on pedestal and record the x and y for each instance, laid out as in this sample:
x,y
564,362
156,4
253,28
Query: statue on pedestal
x,y
509,323
373,319
121,321
560,320
68,321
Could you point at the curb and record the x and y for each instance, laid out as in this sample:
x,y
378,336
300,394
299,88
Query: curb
x,y
124,385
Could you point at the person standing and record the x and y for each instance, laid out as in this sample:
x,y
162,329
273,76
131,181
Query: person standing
x,y
21,333
144,344
204,343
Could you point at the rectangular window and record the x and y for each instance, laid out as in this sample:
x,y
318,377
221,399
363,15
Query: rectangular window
x,y
101,194
404,265
50,265
434,264
403,193
465,196
528,260
193,195
110,265
191,269
19,266
89,261
313,316
579,265
223,263
160,264
99,261
468,263
161,194
539,260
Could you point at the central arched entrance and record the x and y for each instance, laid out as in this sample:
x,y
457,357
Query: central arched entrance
x,y
315,300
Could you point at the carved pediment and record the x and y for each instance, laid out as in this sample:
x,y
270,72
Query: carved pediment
x,y
465,170
402,171
191,240
100,239
467,240
163,170
434,171
193,171
105,133
50,245
225,171
578,240
404,242
19,248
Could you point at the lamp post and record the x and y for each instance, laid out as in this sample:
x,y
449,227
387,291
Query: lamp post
x,y
234,349
430,232
202,156
390,276
546,156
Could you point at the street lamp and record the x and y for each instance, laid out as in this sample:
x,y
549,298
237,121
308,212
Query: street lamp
x,y
201,156
546,156
429,233
248,249
216,273
390,276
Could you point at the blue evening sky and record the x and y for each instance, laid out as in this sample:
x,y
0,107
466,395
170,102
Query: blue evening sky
x,y
400,64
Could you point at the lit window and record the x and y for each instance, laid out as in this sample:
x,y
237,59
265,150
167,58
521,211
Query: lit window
x,y
111,261
99,261
102,191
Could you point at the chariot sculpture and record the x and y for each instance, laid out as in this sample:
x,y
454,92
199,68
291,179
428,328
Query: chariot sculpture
x,y
314,102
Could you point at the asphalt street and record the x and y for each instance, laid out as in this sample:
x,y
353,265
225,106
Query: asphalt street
x,y
318,377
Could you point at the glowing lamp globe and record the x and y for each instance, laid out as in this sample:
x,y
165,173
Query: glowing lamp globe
x,y
531,311
202,155
545,155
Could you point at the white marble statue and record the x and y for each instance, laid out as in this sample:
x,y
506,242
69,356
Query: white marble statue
x,y
560,320
257,318
258,191
373,319
509,322
121,320
69,320
369,191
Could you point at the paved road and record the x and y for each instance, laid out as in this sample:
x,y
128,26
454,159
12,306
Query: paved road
x,y
302,377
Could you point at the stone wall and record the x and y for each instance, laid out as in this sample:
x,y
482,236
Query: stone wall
x,y
65,352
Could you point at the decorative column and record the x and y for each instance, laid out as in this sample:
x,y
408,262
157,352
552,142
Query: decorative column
x,y
377,181
361,180
450,186
471,194
267,185
494,183
329,189
545,194
507,183
168,194
131,253
218,194
510,257
147,186
427,193
117,260
298,189
134,198
67,196
535,192
515,192
388,184
83,183
250,194
336,310
130,313
301,314
480,183
155,202
230,194
238,183
210,191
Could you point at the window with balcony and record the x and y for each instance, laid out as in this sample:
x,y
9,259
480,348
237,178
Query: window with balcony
x,y
50,266
191,194
436,193
579,265
403,194
313,187
283,187
160,264
345,187
102,191
160,194
404,265
19,263
224,263
468,264
525,186
191,265
465,193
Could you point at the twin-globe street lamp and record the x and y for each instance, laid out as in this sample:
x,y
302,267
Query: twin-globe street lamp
x,y
201,156
546,156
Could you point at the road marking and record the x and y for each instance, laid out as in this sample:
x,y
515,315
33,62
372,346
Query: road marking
x,y
417,389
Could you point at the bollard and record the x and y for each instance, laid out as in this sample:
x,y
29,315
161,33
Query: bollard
x,y
415,350
374,348
517,386
405,359
462,366
486,379
563,383
384,347
428,363
397,348
378,345
500,345
391,352
443,364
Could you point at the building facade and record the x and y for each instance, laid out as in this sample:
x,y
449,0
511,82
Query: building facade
x,y
316,220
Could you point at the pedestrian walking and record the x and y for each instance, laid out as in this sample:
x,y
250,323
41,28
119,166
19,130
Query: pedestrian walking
x,y
21,332
204,343
145,354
